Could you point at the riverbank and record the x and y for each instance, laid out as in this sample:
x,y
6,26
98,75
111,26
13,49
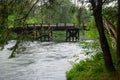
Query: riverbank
x,y
93,67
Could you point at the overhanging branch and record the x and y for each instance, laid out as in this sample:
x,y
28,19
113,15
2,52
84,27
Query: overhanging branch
x,y
25,16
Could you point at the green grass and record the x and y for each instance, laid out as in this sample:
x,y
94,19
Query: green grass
x,y
88,69
91,69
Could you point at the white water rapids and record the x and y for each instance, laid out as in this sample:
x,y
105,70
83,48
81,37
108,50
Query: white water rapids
x,y
40,61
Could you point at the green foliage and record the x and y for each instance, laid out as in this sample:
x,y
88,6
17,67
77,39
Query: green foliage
x,y
92,33
112,45
58,36
92,46
110,13
57,11
88,69
11,21
91,68
11,11
74,19
32,20
81,16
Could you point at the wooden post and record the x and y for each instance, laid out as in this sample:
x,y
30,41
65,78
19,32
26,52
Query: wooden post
x,y
40,36
33,30
44,35
72,35
51,35
69,38
36,31
66,35
78,35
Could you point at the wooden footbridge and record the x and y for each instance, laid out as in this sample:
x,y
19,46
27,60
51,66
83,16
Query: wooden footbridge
x,y
44,32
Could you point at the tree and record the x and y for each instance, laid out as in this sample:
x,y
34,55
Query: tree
x,y
20,9
97,13
118,33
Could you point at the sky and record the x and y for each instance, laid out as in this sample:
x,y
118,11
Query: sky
x,y
78,2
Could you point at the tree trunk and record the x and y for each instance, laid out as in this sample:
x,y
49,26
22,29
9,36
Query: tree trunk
x,y
110,28
97,12
118,34
14,49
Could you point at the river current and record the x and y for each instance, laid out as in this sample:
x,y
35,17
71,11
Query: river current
x,y
40,61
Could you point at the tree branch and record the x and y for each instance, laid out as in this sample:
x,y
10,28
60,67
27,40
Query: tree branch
x,y
104,1
93,3
25,16
110,28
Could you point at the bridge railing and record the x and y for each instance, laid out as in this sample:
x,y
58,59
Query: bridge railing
x,y
52,25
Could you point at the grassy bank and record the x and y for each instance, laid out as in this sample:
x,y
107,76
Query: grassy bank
x,y
91,68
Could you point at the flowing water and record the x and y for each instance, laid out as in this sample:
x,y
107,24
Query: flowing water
x,y
40,61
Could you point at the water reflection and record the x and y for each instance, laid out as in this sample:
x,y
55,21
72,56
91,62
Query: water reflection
x,y
41,61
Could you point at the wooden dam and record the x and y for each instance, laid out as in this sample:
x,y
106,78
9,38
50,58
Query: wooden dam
x,y
44,32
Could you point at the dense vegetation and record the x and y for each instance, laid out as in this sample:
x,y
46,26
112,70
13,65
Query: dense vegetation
x,y
103,65
102,18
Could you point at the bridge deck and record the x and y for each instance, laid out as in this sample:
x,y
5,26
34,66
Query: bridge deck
x,y
53,26
43,32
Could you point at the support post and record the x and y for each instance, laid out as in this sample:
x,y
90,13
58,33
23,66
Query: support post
x,y
72,35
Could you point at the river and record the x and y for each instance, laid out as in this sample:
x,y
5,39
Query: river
x,y
40,61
